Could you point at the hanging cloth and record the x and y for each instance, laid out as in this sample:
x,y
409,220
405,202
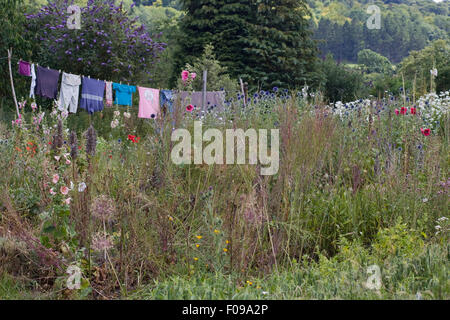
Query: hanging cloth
x,y
92,94
166,99
24,68
124,94
70,89
33,81
214,99
148,103
109,93
47,82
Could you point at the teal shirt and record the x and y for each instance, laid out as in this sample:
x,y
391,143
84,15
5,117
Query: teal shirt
x,y
124,94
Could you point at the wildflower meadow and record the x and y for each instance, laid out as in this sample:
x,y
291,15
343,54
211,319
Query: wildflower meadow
x,y
359,184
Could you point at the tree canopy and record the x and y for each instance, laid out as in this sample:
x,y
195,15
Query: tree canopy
x,y
110,44
266,43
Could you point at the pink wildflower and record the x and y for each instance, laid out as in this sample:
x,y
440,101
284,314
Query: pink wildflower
x,y
184,75
64,190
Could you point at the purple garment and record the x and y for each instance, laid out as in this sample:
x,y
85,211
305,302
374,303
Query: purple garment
x,y
214,99
92,95
24,68
46,82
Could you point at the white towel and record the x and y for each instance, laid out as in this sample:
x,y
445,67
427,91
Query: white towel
x,y
109,94
33,81
70,89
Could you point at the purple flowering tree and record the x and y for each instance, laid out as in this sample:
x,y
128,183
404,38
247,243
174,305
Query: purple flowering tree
x,y
110,45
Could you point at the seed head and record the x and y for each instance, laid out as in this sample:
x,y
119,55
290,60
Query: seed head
x,y
73,141
103,208
91,141
102,241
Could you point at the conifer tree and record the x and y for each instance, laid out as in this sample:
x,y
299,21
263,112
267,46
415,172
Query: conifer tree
x,y
281,51
266,42
221,23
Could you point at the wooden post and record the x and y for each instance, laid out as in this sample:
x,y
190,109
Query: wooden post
x,y
246,91
243,91
205,79
404,90
12,81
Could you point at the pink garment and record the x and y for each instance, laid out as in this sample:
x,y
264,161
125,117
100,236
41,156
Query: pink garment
x,y
148,103
109,94
24,68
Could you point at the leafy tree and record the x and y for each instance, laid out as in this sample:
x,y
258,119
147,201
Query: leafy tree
x,y
405,25
164,23
217,79
443,79
419,63
341,84
110,44
374,62
13,35
165,3
222,23
266,42
382,83
279,46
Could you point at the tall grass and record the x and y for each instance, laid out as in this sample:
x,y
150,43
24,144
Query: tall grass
x,y
200,231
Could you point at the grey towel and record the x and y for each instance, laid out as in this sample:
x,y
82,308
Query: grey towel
x,y
214,99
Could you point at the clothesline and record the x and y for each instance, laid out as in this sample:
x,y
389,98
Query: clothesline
x,y
58,70
20,59
45,83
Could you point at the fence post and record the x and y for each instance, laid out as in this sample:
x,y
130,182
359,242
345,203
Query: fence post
x,y
246,92
243,91
205,79
12,82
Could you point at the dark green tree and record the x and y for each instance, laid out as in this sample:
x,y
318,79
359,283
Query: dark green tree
x,y
443,79
341,84
221,23
12,35
265,42
280,47
374,62
405,25
110,44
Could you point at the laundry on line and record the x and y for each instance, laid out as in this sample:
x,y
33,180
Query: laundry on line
x,y
44,83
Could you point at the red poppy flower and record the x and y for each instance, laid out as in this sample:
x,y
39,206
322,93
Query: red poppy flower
x,y
134,139
404,110
425,132
190,108
397,112
413,110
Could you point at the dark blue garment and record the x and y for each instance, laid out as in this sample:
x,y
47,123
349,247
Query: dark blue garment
x,y
46,82
166,98
92,95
